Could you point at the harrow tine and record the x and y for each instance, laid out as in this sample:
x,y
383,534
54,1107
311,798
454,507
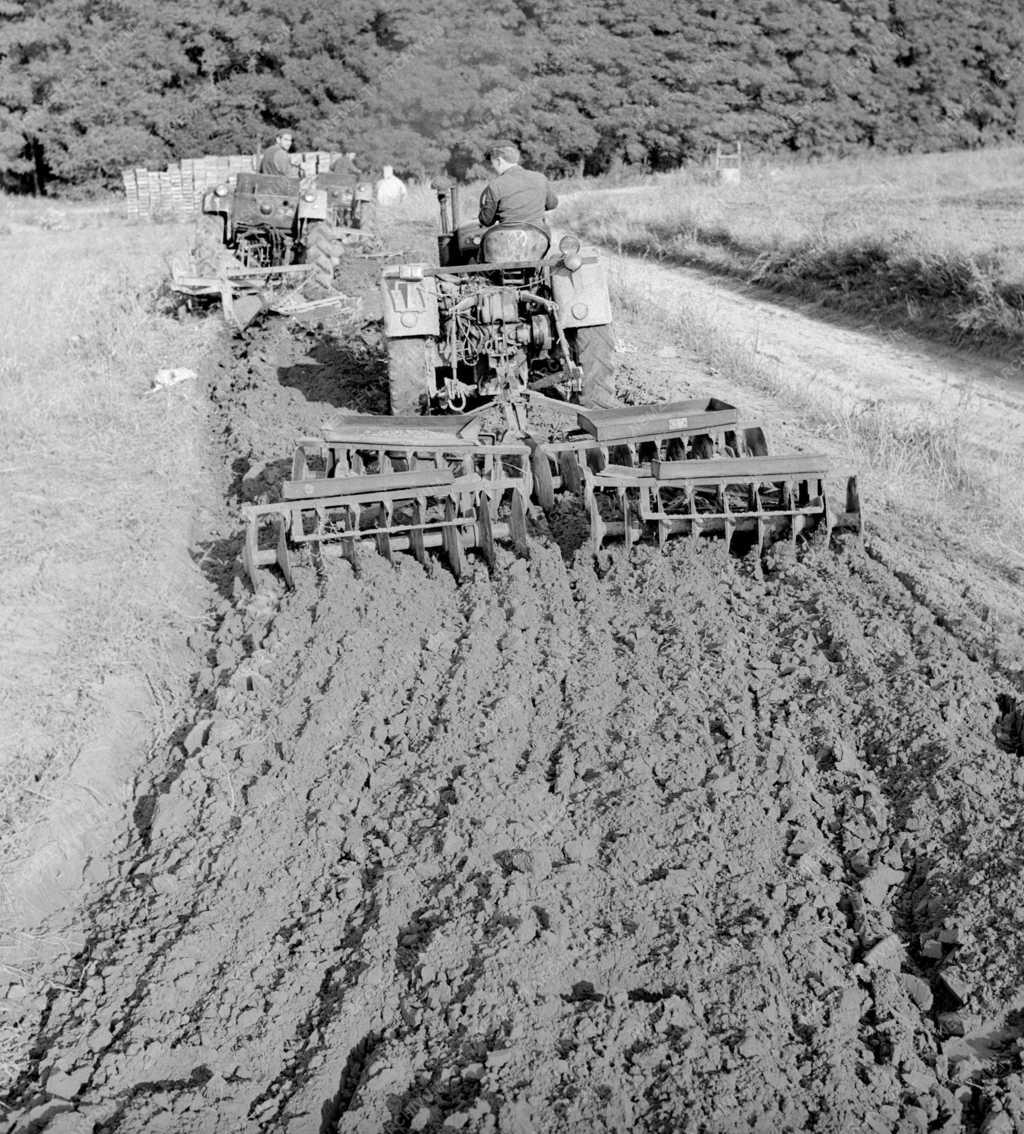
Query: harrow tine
x,y
826,515
416,541
691,508
253,556
753,443
452,540
598,528
350,544
384,534
572,475
543,482
787,492
300,463
648,500
757,506
852,516
485,529
250,551
517,523
629,535
283,558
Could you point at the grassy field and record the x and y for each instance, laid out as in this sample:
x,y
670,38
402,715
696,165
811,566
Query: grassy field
x,y
930,242
100,482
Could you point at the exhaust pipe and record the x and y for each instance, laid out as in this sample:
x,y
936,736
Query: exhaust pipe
x,y
442,203
448,202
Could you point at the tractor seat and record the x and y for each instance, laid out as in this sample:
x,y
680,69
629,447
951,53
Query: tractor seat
x,y
509,243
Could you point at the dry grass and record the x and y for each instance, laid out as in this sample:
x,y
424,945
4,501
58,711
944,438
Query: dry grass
x,y
99,479
928,241
98,474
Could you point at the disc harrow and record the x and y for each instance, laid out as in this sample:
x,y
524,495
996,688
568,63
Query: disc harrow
x,y
634,436
416,485
757,499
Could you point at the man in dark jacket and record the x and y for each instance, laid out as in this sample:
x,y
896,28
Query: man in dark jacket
x,y
346,164
516,195
276,158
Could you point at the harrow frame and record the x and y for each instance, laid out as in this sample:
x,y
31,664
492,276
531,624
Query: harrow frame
x,y
357,447
415,484
636,435
414,511
785,496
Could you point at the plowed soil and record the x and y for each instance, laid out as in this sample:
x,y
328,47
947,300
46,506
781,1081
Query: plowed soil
x,y
678,843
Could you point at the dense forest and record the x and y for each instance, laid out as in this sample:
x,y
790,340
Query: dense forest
x,y
88,87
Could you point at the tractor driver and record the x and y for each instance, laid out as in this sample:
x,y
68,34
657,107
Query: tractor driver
x,y
346,164
276,158
516,195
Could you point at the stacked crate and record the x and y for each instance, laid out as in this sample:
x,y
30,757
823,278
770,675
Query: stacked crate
x,y
177,191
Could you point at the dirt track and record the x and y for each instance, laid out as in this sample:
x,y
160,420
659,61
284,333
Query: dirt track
x,y
680,847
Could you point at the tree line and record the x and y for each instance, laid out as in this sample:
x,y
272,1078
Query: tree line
x,y
89,87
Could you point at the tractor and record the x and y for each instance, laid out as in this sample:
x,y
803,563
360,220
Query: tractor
x,y
501,316
268,221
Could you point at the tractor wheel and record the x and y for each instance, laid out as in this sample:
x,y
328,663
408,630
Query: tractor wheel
x,y
323,251
410,374
594,350
209,253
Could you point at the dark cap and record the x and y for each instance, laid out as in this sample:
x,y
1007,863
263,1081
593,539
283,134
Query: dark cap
x,y
504,148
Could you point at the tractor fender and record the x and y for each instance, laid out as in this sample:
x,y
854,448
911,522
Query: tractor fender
x,y
410,302
314,210
216,205
582,295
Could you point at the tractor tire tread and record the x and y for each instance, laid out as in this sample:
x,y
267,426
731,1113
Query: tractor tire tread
x,y
594,348
410,375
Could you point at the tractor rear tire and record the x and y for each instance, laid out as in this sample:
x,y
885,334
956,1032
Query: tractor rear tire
x,y
594,350
324,252
209,253
410,375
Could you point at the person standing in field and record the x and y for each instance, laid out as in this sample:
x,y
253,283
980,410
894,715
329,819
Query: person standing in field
x,y
389,190
276,158
515,195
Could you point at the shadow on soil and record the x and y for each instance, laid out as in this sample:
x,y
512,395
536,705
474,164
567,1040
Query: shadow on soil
x,y
220,561
348,370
